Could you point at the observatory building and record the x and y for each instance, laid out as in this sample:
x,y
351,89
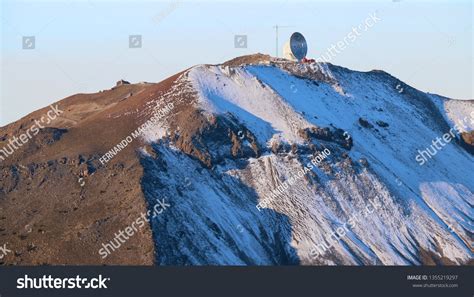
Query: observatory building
x,y
296,48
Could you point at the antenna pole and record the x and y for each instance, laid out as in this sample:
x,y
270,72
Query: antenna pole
x,y
276,44
276,37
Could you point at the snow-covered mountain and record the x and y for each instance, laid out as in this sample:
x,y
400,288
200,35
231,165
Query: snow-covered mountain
x,y
263,162
257,125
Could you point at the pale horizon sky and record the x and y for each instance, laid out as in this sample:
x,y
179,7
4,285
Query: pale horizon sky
x,y
82,46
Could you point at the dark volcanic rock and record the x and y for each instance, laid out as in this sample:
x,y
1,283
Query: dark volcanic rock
x,y
335,135
364,123
382,124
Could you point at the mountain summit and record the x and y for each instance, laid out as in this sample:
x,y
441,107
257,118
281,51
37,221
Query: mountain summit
x,y
259,161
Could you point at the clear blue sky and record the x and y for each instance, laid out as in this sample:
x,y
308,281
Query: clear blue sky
x,y
82,46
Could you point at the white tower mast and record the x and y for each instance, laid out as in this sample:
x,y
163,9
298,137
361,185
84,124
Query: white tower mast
x,y
276,37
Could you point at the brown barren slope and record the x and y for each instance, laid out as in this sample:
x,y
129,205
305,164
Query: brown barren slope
x,y
46,216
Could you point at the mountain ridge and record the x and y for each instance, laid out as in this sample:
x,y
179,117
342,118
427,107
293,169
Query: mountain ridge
x,y
245,127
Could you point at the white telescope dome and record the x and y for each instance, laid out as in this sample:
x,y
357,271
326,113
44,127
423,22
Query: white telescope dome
x,y
296,48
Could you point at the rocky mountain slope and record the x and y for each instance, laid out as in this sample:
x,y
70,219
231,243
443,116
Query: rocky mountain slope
x,y
262,161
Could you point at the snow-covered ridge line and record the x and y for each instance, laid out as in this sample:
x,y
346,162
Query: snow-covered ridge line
x,y
425,213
